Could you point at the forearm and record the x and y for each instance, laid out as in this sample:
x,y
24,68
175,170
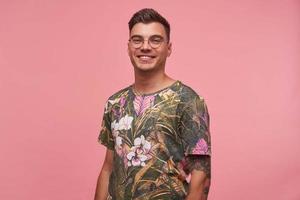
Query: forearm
x,y
199,191
103,179
102,185
200,167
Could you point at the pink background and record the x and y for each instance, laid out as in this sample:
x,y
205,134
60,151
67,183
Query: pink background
x,y
61,59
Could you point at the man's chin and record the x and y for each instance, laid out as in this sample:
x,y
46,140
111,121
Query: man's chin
x,y
145,67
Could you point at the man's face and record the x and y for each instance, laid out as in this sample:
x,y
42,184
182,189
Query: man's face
x,y
147,58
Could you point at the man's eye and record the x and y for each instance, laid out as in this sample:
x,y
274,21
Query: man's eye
x,y
136,40
156,40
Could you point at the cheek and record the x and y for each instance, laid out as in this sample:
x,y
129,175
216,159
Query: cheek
x,y
131,52
164,54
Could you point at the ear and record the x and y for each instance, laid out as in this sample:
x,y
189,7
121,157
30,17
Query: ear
x,y
169,48
128,48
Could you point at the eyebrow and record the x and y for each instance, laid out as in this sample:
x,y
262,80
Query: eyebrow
x,y
150,36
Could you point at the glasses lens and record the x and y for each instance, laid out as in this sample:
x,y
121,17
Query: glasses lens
x,y
136,42
155,41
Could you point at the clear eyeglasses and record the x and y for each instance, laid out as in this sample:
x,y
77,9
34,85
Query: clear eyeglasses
x,y
154,41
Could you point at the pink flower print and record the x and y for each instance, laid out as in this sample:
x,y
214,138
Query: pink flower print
x,y
139,153
141,103
125,122
122,101
116,112
201,147
118,141
118,145
114,126
142,144
136,159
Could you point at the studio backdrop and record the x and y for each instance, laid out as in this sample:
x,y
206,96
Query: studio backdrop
x,y
60,60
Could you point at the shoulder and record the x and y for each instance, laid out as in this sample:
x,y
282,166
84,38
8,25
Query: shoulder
x,y
191,102
189,95
119,93
117,97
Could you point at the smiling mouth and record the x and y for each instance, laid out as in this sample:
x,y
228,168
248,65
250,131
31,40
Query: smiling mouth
x,y
145,57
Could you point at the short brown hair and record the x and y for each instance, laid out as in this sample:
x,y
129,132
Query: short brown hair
x,y
148,15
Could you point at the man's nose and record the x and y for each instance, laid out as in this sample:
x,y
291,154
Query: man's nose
x,y
146,45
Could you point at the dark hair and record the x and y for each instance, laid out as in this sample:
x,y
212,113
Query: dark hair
x,y
148,15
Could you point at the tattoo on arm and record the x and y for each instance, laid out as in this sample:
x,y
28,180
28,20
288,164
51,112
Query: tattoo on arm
x,y
199,162
206,188
202,163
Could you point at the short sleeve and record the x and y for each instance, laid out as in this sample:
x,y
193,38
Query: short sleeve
x,y
194,127
105,136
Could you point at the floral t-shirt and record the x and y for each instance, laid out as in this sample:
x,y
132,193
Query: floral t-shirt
x,y
151,134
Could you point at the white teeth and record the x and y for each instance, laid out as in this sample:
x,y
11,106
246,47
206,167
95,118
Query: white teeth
x,y
145,57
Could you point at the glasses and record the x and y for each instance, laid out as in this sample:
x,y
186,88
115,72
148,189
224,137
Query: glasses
x,y
154,41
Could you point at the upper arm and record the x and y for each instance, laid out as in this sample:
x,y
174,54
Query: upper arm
x,y
105,136
195,132
108,161
197,163
194,127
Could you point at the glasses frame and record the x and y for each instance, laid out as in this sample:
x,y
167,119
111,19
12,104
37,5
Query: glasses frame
x,y
148,40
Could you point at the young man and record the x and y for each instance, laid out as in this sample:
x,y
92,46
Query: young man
x,y
156,130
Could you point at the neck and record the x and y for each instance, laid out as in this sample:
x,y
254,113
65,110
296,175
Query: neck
x,y
148,83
